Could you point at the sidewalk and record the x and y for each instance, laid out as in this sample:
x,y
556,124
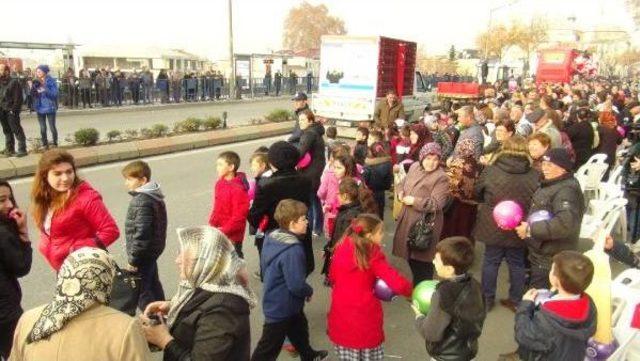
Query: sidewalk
x,y
156,106
88,156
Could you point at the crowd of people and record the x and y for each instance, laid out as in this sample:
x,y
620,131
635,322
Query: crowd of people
x,y
444,174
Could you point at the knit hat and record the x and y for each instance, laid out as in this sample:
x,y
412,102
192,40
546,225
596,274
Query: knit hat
x,y
283,155
44,68
559,157
430,149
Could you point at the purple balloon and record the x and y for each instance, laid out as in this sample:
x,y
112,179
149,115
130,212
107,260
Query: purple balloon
x,y
542,296
541,215
382,291
597,351
507,215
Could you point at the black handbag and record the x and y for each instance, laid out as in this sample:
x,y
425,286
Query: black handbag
x,y
125,290
421,235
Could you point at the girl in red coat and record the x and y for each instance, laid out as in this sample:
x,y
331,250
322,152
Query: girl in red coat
x,y
67,211
355,321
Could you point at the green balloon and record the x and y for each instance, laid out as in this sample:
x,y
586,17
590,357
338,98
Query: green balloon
x,y
422,295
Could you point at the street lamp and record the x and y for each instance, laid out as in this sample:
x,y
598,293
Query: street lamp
x,y
486,40
232,77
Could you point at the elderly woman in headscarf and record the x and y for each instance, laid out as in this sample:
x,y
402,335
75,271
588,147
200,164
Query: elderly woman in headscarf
x,y
78,316
424,190
463,171
208,318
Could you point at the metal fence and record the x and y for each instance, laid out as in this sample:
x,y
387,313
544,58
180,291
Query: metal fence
x,y
199,89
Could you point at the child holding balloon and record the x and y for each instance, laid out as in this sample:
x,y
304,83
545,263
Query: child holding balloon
x,y
358,260
456,309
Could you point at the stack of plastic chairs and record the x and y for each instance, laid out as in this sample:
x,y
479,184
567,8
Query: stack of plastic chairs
x,y
625,294
590,175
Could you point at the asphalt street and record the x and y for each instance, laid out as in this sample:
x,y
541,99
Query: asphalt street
x,y
104,121
187,180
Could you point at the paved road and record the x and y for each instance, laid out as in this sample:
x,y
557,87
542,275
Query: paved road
x,y
68,123
187,180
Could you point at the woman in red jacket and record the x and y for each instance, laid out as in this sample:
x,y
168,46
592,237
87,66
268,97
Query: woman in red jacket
x,y
67,211
355,321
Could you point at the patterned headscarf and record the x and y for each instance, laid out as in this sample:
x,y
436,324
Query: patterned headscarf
x,y
430,148
211,264
467,148
85,279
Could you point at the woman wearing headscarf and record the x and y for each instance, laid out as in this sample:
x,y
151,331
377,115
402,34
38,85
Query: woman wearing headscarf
x,y
208,318
424,189
419,136
77,324
463,171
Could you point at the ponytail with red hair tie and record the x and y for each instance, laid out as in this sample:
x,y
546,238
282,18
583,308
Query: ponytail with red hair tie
x,y
356,227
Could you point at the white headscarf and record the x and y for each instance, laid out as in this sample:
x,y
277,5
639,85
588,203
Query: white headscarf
x,y
84,280
214,267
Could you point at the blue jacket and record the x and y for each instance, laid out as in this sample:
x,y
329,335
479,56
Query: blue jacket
x,y
47,101
283,264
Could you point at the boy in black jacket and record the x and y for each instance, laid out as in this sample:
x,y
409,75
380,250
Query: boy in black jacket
x,y
558,329
454,322
145,230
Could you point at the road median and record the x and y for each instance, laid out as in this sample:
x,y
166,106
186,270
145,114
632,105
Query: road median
x,y
106,153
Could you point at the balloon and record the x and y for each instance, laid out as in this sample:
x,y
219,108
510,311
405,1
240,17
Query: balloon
x,y
537,216
304,161
621,131
542,296
382,291
422,295
597,351
507,214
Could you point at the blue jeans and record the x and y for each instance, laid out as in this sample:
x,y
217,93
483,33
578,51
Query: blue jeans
x,y
51,119
150,286
315,215
493,256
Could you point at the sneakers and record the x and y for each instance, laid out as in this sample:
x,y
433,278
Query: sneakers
x,y
321,355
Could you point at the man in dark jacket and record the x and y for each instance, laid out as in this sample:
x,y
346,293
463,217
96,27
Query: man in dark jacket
x,y
312,141
560,195
581,135
300,104
10,106
284,183
145,230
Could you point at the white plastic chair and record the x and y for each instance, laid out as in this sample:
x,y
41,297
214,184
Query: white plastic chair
x,y
589,175
606,217
625,295
608,191
615,176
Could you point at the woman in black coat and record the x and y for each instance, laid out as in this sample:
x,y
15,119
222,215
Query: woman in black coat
x,y
510,177
609,138
208,318
312,142
581,135
15,262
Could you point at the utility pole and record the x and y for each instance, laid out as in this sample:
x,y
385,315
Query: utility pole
x,y
232,77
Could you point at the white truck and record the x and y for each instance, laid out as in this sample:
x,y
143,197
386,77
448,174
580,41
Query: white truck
x,y
356,73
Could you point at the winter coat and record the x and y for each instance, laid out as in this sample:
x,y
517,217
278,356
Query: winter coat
x,y
284,276
83,222
45,102
558,330
230,207
146,225
311,141
562,197
15,262
296,134
458,315
609,140
384,115
328,192
101,333
431,192
377,175
508,178
581,135
10,94
355,318
211,326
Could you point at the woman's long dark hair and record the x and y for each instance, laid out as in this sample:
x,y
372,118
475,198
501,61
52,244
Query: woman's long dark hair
x,y
4,219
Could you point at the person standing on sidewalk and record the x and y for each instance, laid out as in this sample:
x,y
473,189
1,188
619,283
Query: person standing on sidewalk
x,y
10,106
45,94
84,83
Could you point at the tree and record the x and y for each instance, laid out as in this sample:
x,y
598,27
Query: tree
x,y
452,53
529,37
305,24
494,41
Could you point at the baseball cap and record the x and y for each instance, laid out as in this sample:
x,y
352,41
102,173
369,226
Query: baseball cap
x,y
300,96
559,157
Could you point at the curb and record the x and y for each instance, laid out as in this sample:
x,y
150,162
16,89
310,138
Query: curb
x,y
156,106
100,154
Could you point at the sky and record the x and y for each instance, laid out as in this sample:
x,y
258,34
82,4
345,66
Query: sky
x,y
200,26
